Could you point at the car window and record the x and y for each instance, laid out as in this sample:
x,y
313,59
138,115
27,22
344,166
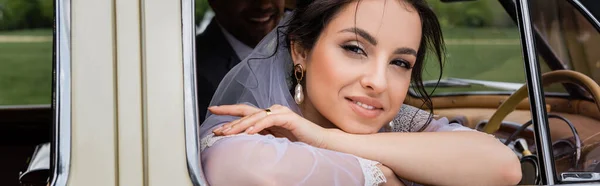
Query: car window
x,y
574,39
483,50
25,90
570,35
25,52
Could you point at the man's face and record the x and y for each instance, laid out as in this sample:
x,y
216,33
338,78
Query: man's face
x,y
248,20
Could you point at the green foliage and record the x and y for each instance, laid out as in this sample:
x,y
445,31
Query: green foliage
x,y
46,9
25,14
201,7
479,13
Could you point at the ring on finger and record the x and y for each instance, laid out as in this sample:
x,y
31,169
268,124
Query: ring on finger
x,y
268,111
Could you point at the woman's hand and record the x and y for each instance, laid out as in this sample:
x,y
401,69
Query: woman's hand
x,y
277,120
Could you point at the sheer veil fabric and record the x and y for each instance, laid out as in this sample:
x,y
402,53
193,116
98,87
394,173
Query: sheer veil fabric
x,y
262,80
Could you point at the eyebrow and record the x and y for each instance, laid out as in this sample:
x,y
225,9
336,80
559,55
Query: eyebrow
x,y
364,34
405,50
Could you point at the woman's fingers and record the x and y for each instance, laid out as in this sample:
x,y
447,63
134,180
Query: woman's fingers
x,y
240,110
262,124
219,131
251,116
271,120
242,124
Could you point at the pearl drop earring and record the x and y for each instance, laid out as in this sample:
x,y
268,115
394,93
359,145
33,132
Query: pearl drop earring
x,y
298,90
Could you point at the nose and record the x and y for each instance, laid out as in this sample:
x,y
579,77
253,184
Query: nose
x,y
374,77
264,4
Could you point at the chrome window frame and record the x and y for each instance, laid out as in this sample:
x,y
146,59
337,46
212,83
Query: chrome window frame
x,y
586,13
192,127
61,138
536,94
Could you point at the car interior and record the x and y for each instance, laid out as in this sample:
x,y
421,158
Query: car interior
x,y
23,129
565,42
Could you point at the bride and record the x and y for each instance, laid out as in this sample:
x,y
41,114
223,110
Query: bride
x,y
319,102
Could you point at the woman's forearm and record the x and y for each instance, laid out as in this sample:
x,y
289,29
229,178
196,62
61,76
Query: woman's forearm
x,y
440,158
264,160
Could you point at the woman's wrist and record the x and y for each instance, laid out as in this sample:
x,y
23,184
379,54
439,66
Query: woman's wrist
x,y
333,139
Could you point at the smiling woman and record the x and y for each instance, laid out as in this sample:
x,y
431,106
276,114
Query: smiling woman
x,y
352,61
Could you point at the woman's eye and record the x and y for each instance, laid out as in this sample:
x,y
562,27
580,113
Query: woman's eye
x,y
354,49
401,63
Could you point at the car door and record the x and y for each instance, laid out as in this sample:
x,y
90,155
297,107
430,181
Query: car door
x,y
122,120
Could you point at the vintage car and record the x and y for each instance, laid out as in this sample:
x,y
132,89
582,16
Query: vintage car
x,y
124,110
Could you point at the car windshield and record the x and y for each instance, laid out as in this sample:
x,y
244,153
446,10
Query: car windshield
x,y
483,53
575,42
570,35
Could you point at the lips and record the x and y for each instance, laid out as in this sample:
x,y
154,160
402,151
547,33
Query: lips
x,y
366,101
261,17
365,106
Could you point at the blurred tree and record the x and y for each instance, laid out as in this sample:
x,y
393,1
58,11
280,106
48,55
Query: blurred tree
x,y
201,7
480,13
26,14
47,10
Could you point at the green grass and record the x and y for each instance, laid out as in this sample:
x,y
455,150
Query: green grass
x,y
33,32
481,62
491,61
481,33
25,73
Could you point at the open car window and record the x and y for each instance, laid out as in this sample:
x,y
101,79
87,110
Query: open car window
x,y
26,51
483,48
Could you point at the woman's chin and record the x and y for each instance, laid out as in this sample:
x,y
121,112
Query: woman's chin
x,y
359,128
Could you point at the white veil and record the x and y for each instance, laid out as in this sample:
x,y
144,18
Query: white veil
x,y
261,80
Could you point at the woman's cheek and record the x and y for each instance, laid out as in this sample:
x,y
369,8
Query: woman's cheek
x,y
332,66
322,75
398,89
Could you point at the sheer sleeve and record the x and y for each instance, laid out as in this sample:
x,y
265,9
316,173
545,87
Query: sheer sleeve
x,y
265,160
442,124
412,119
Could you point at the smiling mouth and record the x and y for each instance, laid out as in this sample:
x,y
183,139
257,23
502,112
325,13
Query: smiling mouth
x,y
363,109
261,19
364,105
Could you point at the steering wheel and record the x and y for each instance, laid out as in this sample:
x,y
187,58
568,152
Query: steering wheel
x,y
558,76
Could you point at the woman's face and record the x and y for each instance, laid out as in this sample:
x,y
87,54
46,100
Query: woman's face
x,y
358,72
